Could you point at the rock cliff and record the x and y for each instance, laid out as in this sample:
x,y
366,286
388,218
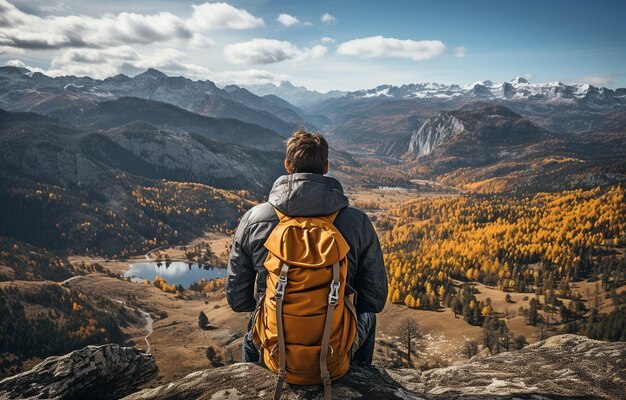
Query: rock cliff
x,y
562,367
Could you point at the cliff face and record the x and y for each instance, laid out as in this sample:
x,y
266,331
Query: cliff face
x,y
562,367
434,132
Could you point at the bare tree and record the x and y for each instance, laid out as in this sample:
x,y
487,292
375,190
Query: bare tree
x,y
409,334
470,348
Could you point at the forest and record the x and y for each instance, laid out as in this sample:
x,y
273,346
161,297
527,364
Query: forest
x,y
43,319
539,244
75,220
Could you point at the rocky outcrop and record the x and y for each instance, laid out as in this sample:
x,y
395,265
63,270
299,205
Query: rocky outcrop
x,y
251,381
566,366
95,372
562,367
433,132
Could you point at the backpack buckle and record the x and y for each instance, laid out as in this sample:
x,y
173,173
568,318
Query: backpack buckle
x,y
333,297
280,287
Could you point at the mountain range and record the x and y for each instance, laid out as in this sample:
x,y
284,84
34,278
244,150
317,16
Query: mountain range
x,y
114,153
23,90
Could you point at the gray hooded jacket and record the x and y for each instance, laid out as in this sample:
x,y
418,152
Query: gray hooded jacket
x,y
304,194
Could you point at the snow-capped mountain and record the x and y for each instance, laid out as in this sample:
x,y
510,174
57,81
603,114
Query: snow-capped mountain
x,y
517,89
23,90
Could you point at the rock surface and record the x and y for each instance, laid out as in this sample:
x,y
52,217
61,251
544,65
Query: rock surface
x,y
565,366
562,367
94,372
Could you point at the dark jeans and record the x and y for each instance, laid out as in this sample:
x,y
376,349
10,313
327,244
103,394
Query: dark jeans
x,y
365,338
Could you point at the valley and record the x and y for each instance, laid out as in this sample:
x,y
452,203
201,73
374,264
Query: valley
x,y
499,206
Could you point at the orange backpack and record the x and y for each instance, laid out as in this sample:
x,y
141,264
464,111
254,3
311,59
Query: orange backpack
x,y
305,322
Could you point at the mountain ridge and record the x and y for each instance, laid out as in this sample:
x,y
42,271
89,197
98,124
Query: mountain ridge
x,y
28,91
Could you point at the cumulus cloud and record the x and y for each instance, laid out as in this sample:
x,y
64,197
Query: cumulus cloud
x,y
200,41
327,39
210,16
102,63
328,19
460,51
287,20
378,46
597,80
20,64
21,30
316,52
269,51
247,77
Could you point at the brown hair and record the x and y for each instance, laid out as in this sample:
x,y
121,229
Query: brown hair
x,y
307,152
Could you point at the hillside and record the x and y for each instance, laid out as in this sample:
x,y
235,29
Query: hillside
x,y
114,191
36,311
488,147
116,113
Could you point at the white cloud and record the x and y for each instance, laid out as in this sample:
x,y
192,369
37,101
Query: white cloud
x,y
20,64
597,80
328,19
287,20
25,31
327,39
247,77
269,51
460,51
209,16
260,51
378,46
102,63
200,41
317,51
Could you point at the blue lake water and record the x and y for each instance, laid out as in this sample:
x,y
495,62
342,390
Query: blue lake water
x,y
176,272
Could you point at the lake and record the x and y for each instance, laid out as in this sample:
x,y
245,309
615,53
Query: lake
x,y
176,272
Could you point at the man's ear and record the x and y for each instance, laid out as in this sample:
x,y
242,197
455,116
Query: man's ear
x,y
288,167
326,167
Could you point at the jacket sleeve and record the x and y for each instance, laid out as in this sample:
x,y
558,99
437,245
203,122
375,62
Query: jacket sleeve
x,y
241,271
371,277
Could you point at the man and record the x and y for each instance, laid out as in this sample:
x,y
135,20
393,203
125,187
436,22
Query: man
x,y
305,192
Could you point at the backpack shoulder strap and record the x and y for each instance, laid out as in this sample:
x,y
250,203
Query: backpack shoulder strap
x,y
282,357
333,297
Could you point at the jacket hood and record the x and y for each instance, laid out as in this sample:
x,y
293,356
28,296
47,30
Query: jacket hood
x,y
307,195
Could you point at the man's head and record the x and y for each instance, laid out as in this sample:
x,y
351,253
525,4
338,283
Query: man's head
x,y
307,152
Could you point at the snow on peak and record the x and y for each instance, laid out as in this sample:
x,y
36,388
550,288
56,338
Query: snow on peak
x,y
517,88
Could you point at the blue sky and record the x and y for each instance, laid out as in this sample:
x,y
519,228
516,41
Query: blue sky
x,y
360,44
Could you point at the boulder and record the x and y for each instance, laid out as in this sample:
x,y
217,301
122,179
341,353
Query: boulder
x,y
94,372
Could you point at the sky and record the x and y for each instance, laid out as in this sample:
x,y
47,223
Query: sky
x,y
323,45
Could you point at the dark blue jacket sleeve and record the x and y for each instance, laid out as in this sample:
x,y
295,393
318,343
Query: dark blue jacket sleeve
x,y
241,271
371,278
